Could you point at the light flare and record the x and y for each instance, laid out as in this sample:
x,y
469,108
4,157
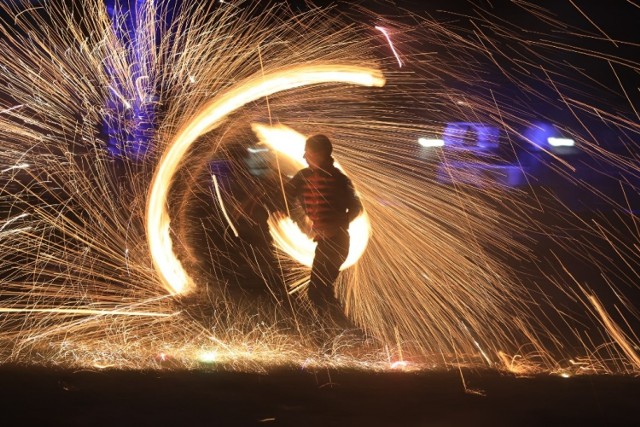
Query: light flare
x,y
208,356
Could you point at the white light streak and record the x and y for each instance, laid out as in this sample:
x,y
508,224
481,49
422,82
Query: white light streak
x,y
18,166
257,150
221,203
15,231
15,218
140,88
561,142
393,49
11,108
126,103
430,142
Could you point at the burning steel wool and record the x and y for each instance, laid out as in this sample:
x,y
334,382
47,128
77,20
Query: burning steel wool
x,y
144,155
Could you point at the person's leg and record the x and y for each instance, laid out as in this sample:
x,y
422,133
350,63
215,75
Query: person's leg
x,y
330,255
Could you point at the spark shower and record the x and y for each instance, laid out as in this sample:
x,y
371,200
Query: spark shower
x,y
449,275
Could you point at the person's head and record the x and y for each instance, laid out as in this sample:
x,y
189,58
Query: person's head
x,y
317,151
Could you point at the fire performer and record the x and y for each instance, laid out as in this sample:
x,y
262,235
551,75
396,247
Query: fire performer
x,y
330,203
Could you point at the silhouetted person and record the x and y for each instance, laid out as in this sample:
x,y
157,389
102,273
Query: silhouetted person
x,y
329,201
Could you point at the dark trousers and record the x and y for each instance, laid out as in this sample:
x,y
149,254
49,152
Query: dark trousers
x,y
330,254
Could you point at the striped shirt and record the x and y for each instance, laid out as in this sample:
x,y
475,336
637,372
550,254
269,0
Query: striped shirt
x,y
327,197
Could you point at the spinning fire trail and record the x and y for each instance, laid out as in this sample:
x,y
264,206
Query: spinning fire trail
x,y
172,274
107,263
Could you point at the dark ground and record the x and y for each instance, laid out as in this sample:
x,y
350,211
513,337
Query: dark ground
x,y
50,397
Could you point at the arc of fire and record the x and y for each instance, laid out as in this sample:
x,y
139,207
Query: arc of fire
x,y
170,270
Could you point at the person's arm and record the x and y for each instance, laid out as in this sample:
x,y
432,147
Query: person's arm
x,y
354,205
292,190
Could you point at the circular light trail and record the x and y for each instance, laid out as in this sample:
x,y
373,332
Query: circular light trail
x,y
172,275
286,234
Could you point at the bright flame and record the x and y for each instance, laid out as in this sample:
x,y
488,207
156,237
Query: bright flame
x,y
286,234
169,268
